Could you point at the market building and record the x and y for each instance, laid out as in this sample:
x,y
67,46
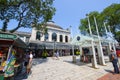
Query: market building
x,y
56,38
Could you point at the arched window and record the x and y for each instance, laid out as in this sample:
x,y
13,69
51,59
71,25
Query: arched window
x,y
38,35
61,38
54,36
46,36
66,38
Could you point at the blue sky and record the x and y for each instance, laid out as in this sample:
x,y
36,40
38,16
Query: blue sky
x,y
69,12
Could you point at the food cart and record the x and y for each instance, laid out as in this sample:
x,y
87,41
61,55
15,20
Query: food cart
x,y
8,44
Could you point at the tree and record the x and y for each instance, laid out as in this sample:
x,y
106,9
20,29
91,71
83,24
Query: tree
x,y
26,13
84,23
110,15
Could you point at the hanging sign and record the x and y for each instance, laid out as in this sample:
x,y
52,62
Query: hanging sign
x,y
7,36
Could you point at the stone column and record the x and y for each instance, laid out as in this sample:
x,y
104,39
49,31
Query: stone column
x,y
58,37
100,54
63,38
50,37
33,34
94,61
42,37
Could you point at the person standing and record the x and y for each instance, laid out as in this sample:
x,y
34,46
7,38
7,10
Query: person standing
x,y
114,60
118,55
30,62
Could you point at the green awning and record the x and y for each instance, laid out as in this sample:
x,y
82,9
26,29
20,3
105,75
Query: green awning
x,y
11,39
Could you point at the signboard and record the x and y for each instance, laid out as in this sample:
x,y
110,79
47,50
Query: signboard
x,y
7,36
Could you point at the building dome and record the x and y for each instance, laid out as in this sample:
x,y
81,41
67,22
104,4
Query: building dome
x,y
53,25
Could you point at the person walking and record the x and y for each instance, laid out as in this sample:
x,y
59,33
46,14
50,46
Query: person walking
x,y
114,60
56,54
118,55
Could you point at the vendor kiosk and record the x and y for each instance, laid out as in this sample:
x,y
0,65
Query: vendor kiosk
x,y
8,44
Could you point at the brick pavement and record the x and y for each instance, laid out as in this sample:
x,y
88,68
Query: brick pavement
x,y
110,76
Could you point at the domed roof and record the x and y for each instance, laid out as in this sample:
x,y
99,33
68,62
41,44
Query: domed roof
x,y
52,24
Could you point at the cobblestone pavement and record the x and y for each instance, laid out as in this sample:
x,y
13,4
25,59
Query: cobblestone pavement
x,y
65,69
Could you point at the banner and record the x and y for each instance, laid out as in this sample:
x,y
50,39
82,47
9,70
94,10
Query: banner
x,y
9,68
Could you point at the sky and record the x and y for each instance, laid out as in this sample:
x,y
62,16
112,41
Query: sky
x,y
69,12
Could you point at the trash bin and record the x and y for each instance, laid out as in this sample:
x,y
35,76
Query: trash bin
x,y
74,59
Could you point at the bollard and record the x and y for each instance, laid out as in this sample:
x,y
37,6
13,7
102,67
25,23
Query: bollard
x,y
74,59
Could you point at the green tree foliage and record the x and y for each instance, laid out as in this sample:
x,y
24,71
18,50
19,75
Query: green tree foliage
x,y
84,23
118,36
110,15
26,13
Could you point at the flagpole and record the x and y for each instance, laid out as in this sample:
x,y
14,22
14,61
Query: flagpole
x,y
105,29
107,36
113,39
101,56
94,62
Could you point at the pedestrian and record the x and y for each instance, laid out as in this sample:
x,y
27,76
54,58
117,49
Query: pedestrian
x,y
56,55
114,60
118,55
30,62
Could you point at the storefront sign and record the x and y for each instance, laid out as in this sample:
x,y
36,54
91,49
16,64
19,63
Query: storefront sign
x,y
7,36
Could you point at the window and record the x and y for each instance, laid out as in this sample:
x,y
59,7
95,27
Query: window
x,y
46,36
61,38
38,35
66,38
54,37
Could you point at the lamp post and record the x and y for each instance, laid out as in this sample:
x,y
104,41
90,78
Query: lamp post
x,y
54,39
94,61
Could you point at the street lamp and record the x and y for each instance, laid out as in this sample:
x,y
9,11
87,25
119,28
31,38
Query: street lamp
x,y
54,36
94,62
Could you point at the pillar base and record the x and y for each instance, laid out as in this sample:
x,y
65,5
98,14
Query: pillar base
x,y
104,65
95,67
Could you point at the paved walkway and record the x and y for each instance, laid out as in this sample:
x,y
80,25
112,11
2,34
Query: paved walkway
x,y
110,76
64,69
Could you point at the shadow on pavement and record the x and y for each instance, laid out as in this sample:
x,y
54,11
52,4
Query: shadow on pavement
x,y
78,62
109,71
38,61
